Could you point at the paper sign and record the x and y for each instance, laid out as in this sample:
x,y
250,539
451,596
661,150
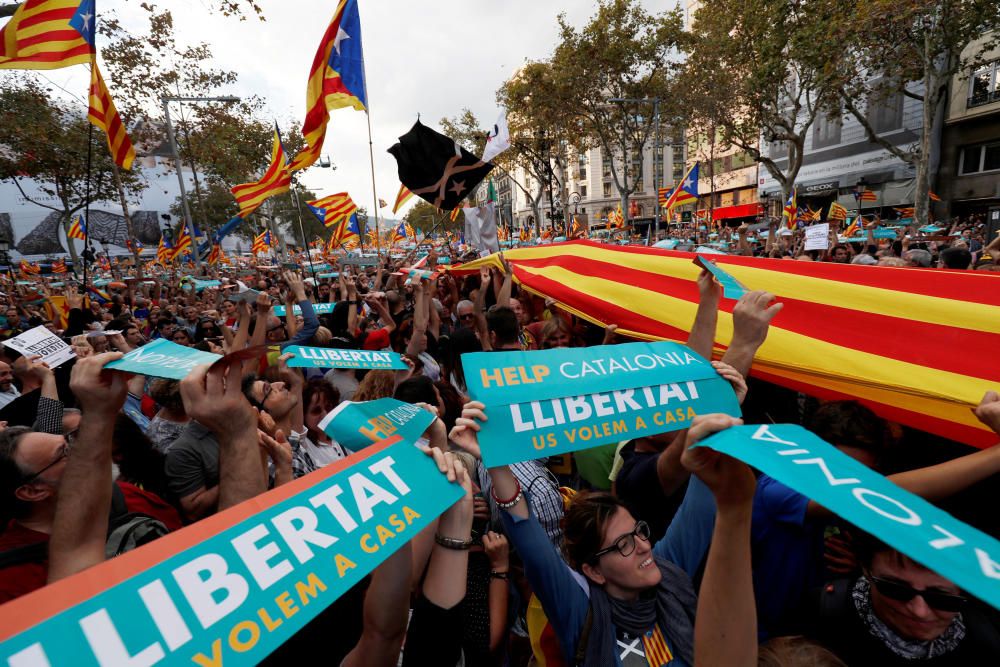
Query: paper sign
x,y
318,308
329,357
42,342
232,588
249,296
536,408
163,359
731,287
799,459
818,236
360,425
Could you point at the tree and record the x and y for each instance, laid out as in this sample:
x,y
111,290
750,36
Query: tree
x,y
762,70
47,140
913,50
623,53
425,218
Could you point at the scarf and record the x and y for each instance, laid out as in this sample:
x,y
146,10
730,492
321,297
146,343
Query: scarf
x,y
906,648
671,605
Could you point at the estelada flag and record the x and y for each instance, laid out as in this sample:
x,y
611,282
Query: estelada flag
x,y
336,79
59,266
48,34
276,180
57,310
103,114
30,268
165,251
215,255
686,191
837,212
436,168
821,343
183,244
77,229
332,209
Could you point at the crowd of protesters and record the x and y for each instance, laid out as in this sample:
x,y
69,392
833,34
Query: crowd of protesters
x,y
647,552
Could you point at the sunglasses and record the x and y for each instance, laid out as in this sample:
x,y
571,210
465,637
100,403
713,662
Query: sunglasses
x,y
63,452
901,592
467,316
625,544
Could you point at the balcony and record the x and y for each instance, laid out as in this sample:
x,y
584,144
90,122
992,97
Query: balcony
x,y
983,98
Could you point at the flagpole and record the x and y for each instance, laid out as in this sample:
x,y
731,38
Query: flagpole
x,y
305,244
86,205
371,158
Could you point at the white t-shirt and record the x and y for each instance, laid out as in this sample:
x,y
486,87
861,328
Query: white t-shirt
x,y
323,454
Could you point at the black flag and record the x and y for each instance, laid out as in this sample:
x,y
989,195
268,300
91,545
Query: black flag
x,y
437,169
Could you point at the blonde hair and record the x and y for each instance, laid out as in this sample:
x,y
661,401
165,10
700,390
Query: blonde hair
x,y
322,337
796,652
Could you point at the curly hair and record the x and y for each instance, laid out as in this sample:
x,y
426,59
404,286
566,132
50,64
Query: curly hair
x,y
376,384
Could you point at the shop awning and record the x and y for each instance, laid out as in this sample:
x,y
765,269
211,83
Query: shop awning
x,y
738,211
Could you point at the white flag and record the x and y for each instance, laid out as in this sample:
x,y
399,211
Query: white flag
x,y
498,139
481,229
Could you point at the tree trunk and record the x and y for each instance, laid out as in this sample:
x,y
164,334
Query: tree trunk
x,y
70,247
128,221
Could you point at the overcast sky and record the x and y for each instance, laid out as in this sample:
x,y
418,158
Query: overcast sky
x,y
431,57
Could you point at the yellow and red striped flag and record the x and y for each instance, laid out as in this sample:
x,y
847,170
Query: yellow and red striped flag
x,y
104,115
336,79
30,268
183,244
333,208
261,242
821,343
77,229
164,251
934,197
48,34
453,216
655,647
402,197
854,227
837,212
215,255
276,180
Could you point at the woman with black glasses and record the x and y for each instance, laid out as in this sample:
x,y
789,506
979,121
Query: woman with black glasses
x,y
615,600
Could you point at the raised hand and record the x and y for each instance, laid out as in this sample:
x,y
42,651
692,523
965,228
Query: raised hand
x,y
730,480
466,429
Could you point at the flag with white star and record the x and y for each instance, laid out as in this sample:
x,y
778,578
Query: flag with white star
x,y
435,168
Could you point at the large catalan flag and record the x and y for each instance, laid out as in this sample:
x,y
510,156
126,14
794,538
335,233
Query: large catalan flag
x,y
884,336
48,34
104,115
276,180
402,197
686,191
336,79
332,209
77,229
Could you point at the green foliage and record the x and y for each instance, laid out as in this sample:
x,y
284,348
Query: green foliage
x,y
424,217
46,140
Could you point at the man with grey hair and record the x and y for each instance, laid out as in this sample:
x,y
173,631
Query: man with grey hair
x,y
465,313
918,257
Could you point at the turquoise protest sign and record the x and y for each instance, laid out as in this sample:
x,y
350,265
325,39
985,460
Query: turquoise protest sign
x,y
549,402
163,359
883,233
329,357
799,459
201,285
232,588
359,425
324,276
731,287
318,308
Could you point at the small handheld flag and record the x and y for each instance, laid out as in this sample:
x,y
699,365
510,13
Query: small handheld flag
x,y
837,212
790,212
402,197
77,229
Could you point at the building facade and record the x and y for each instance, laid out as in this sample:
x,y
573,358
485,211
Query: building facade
x,y
969,178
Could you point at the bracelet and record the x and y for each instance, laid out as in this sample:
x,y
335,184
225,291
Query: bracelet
x,y
510,502
452,543
499,575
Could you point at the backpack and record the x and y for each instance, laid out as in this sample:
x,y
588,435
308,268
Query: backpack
x,y
129,530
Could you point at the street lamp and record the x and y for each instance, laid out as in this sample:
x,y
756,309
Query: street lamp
x,y
166,100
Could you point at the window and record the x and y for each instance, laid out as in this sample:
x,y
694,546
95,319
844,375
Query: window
x,y
607,189
640,186
983,85
583,190
777,150
886,114
976,159
826,131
